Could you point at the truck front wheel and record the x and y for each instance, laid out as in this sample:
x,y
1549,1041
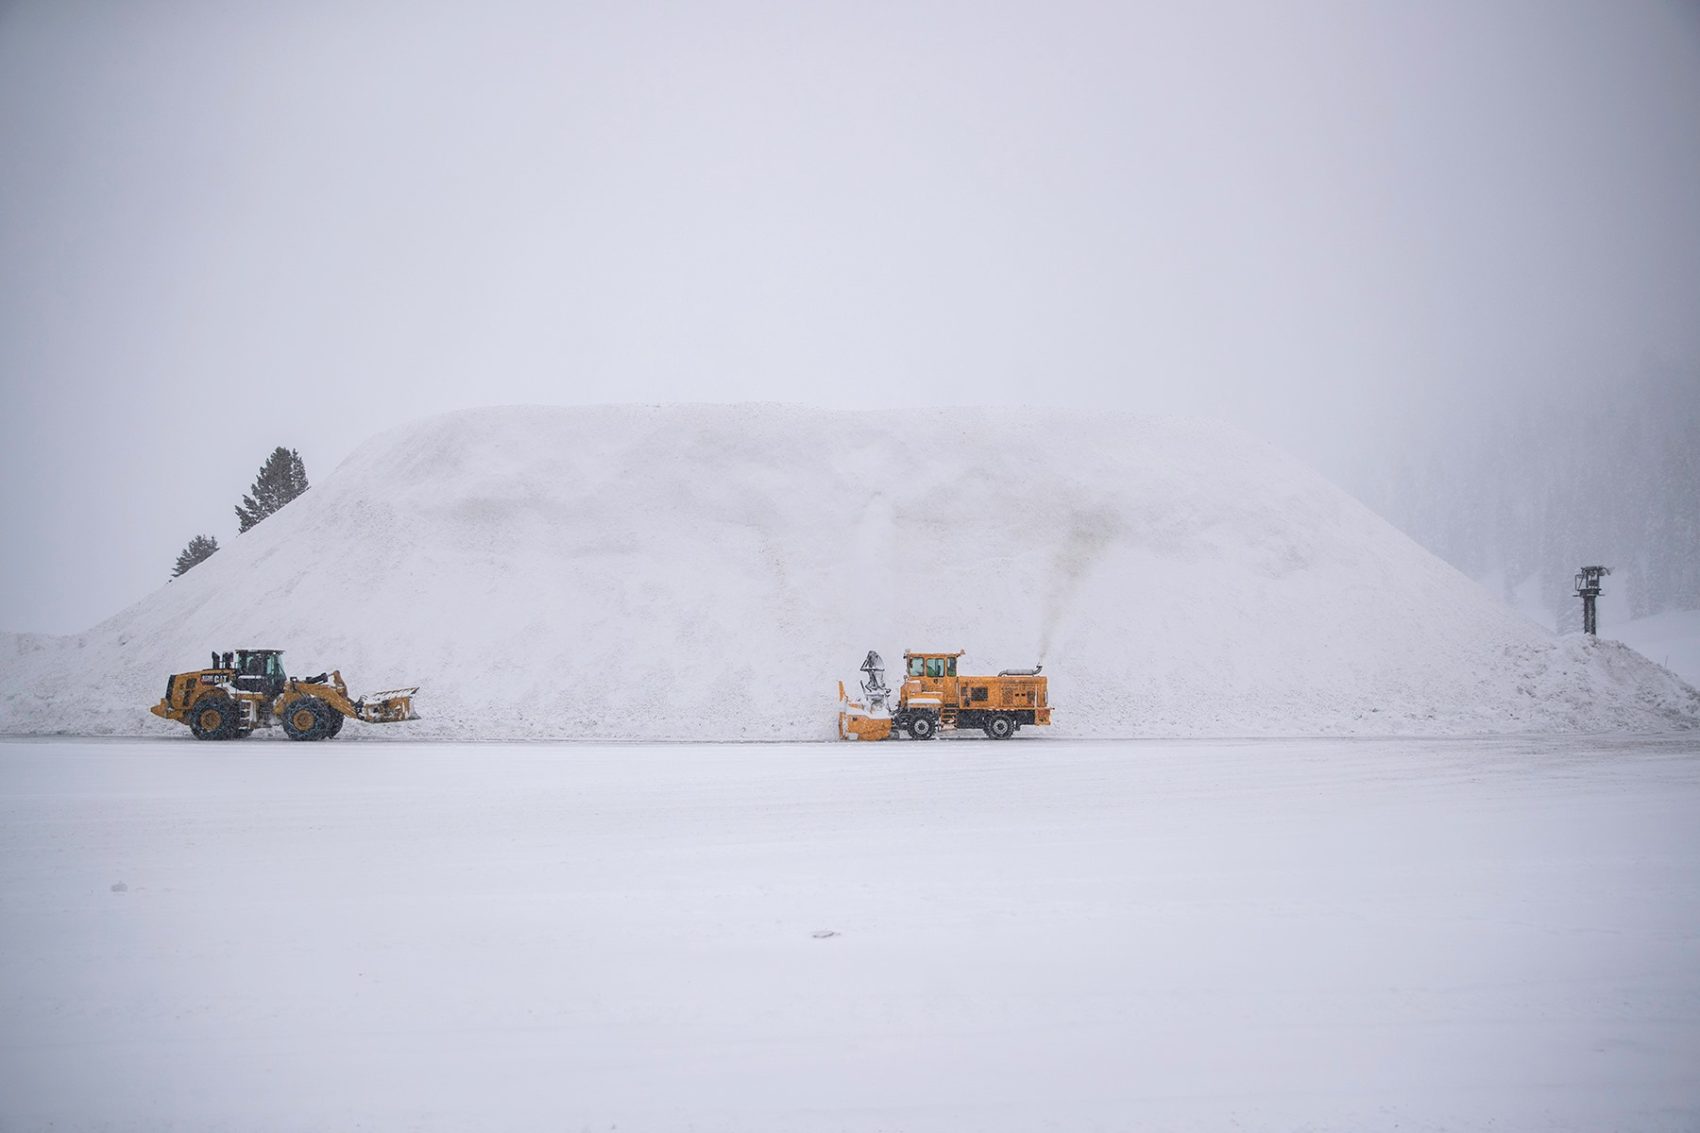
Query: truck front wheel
x,y
922,727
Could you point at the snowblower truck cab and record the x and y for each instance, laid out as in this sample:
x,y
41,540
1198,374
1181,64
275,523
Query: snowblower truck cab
x,y
935,697
247,689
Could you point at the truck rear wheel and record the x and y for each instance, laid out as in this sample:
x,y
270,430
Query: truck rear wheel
x,y
307,718
1000,728
214,718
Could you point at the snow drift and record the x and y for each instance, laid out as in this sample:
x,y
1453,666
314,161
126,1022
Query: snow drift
x,y
710,572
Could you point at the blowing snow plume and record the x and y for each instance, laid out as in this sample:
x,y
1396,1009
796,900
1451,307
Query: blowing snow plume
x,y
1090,535
710,572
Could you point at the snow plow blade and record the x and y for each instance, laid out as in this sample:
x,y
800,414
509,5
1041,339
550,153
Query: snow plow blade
x,y
854,722
390,707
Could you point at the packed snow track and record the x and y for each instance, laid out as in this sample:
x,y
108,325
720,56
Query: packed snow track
x,y
1278,934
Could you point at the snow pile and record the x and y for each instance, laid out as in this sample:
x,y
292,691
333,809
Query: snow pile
x,y
1671,638
710,572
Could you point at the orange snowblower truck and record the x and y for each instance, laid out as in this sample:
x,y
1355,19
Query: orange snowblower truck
x,y
247,689
934,696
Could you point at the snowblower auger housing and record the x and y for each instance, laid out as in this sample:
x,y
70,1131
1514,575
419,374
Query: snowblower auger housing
x,y
247,689
935,697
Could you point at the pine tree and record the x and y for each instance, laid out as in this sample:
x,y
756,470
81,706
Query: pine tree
x,y
199,550
282,477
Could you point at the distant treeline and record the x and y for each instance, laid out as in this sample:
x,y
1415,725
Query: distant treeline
x,y
1609,477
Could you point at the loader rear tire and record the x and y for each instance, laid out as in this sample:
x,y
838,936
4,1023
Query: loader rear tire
x,y
215,718
922,727
307,718
999,728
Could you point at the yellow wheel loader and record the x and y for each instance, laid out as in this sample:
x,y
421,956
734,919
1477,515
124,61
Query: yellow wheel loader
x,y
934,697
247,689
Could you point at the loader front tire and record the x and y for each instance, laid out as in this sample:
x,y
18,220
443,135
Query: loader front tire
x,y
1000,728
335,725
307,718
215,718
922,727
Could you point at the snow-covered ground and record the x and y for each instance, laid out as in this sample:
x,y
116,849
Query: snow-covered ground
x,y
1042,934
710,572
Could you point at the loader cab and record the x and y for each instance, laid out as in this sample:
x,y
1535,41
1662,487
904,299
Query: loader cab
x,y
259,670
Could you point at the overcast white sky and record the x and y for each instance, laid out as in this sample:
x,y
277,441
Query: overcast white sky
x,y
227,226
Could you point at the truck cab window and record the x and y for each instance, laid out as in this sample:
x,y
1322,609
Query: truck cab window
x,y
935,666
915,666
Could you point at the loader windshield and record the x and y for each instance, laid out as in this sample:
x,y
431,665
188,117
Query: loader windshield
x,y
274,666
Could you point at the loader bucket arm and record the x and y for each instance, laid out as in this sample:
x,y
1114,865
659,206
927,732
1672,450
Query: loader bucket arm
x,y
391,707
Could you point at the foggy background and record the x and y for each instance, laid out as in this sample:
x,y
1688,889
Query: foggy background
x,y
1403,242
